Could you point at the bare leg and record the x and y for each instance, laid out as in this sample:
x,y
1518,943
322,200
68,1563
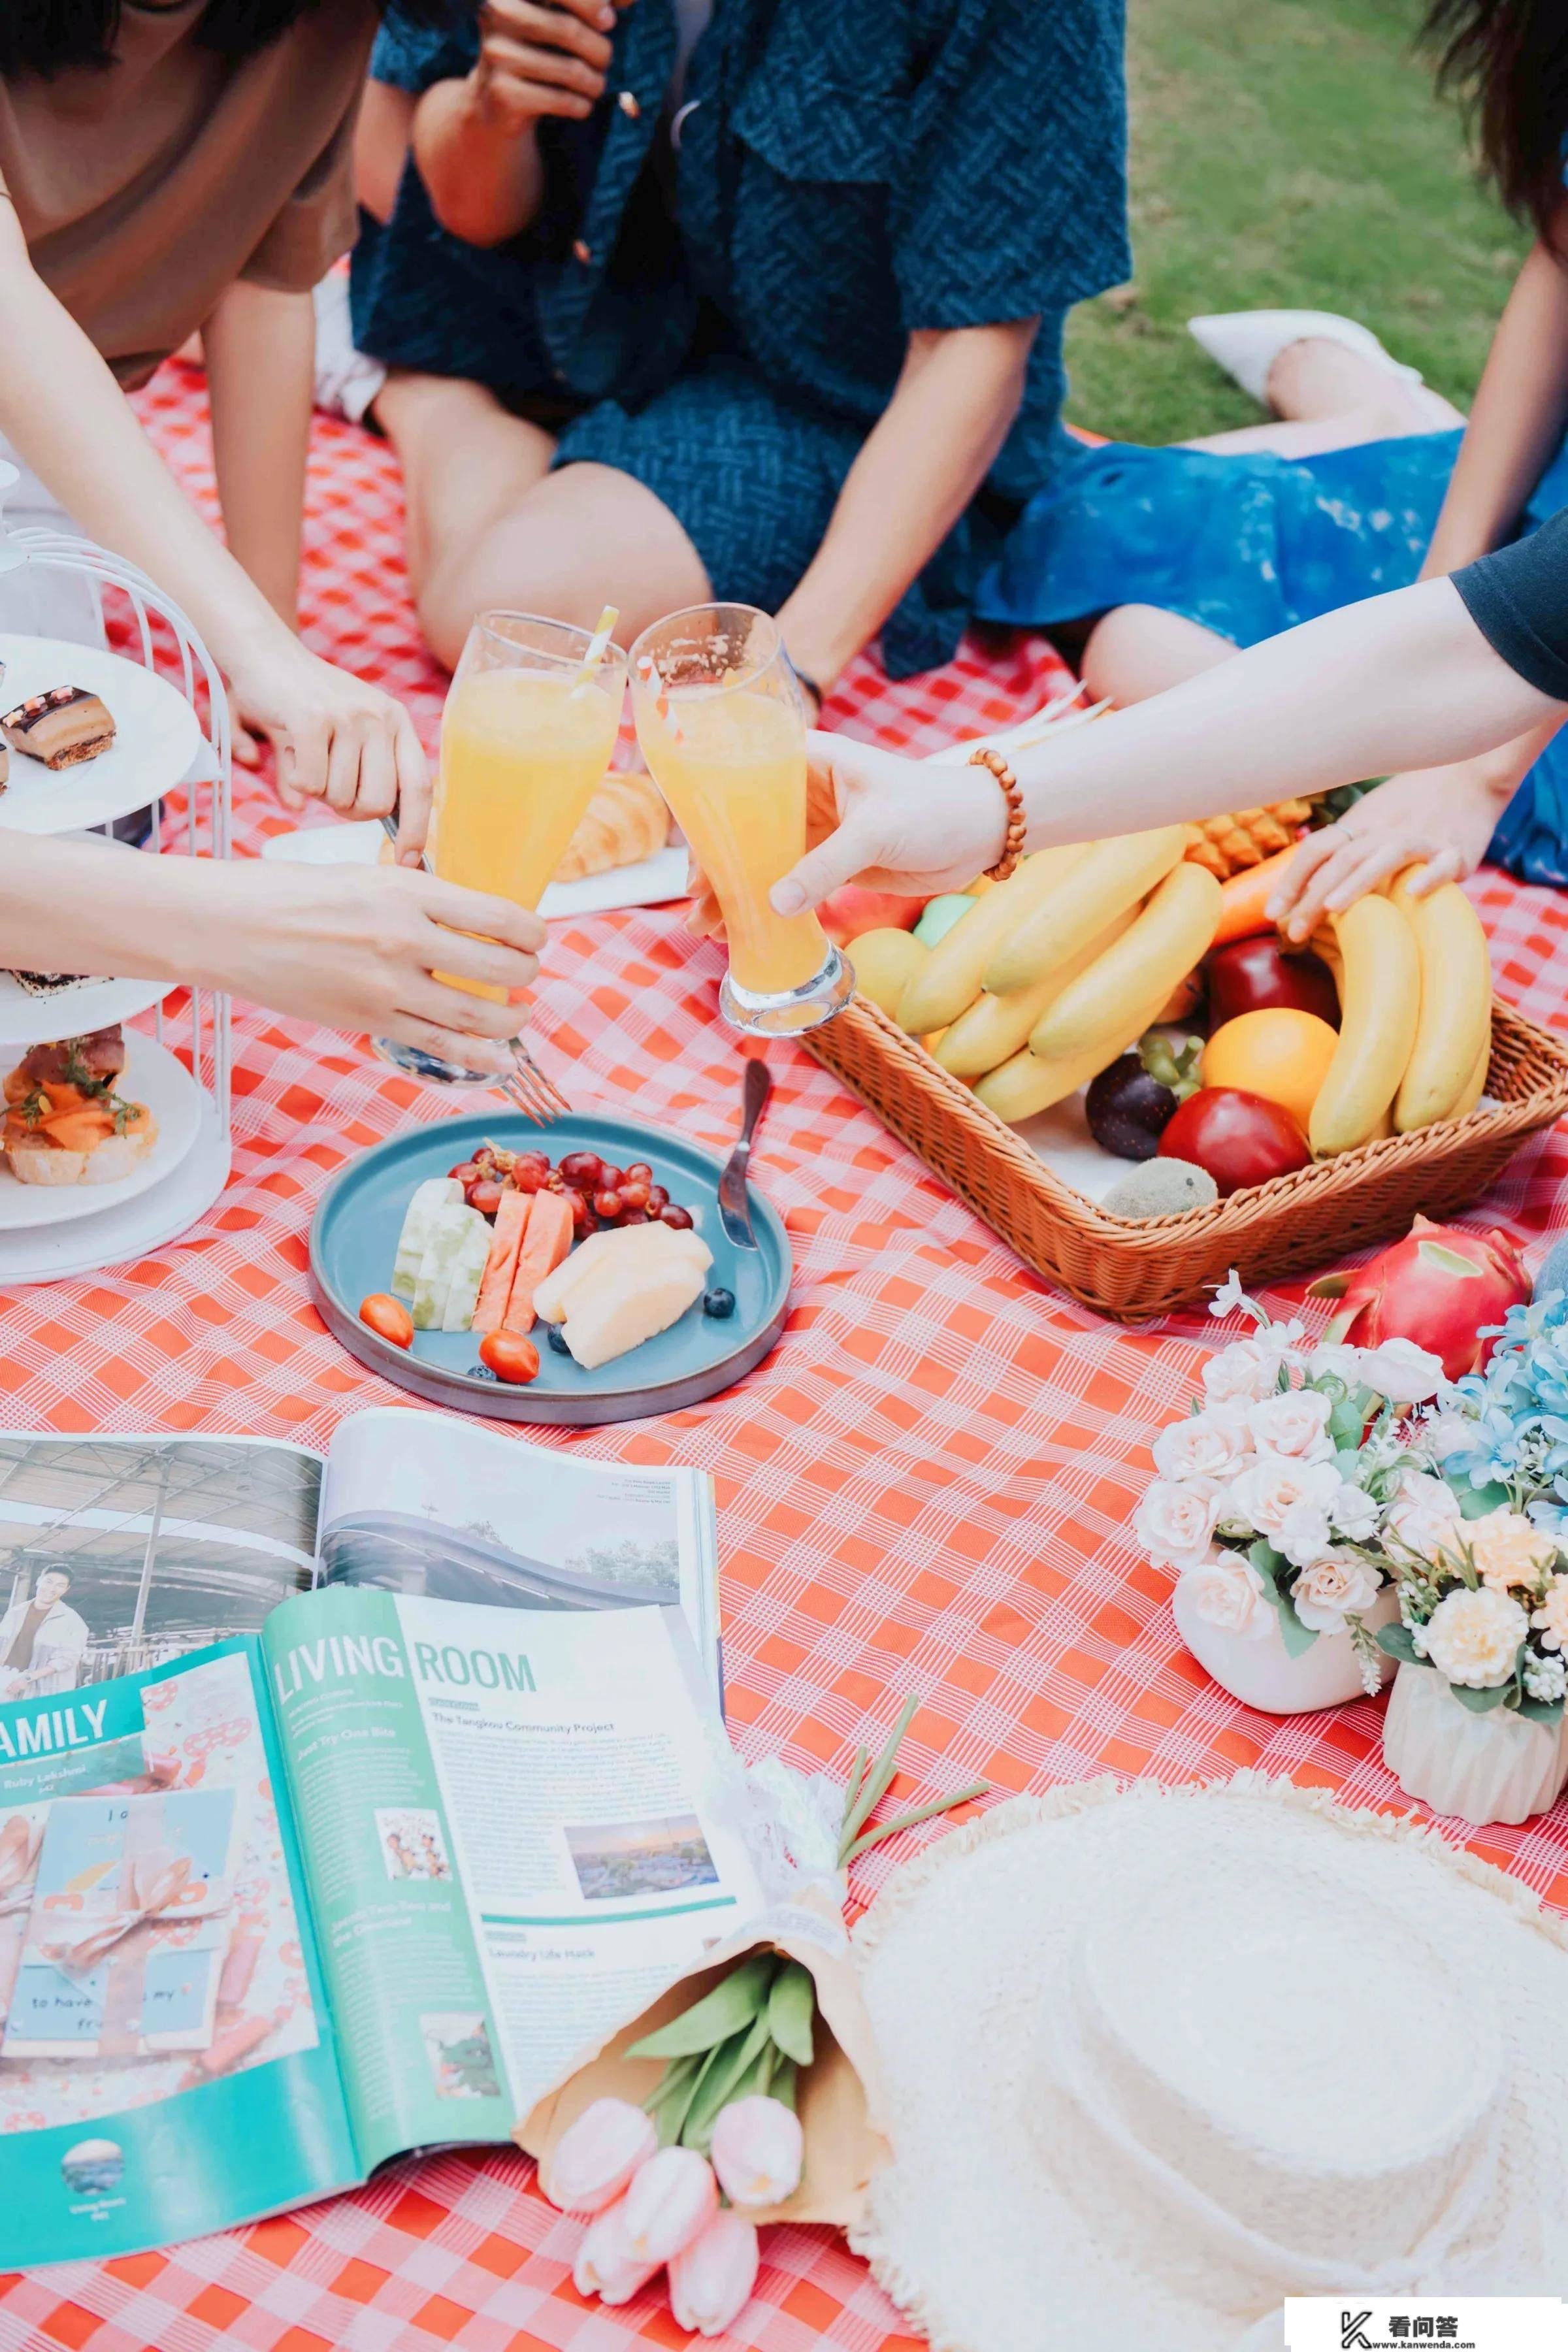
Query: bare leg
x,y
1138,650
466,462
1329,397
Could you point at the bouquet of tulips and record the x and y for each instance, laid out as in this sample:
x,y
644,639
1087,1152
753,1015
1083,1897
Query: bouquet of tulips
x,y
775,2046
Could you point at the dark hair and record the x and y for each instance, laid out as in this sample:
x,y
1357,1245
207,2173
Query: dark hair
x,y
1508,59
46,37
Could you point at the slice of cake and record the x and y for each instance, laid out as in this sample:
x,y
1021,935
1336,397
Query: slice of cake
x,y
62,728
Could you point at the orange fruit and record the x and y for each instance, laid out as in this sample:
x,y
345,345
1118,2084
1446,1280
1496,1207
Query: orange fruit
x,y
1277,1052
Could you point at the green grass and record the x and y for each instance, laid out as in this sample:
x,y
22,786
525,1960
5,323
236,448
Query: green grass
x,y
1287,152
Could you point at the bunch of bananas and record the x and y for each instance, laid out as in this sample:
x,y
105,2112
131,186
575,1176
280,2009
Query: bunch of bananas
x,y
1058,969
1416,1002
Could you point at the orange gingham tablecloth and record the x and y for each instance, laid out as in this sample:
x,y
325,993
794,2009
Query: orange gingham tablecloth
x,y
925,1489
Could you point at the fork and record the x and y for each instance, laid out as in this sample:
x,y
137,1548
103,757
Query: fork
x,y
538,1097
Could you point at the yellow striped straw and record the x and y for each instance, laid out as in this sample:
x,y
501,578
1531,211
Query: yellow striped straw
x,y
598,649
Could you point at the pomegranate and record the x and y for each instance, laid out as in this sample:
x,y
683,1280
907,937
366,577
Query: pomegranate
x,y
1441,1288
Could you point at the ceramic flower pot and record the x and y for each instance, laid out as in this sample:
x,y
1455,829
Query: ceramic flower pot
x,y
1258,1669
1483,1767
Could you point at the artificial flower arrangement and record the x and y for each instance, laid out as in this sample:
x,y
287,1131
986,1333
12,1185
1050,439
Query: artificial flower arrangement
x,y
1278,1495
773,2052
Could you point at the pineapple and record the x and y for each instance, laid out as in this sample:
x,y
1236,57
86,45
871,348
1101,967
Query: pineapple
x,y
1227,844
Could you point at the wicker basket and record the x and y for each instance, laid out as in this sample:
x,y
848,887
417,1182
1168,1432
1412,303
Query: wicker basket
x,y
1135,1269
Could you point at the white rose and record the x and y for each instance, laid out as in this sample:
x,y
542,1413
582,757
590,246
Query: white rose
x,y
1176,1521
1446,1434
1401,1371
1305,1535
1210,1444
1336,1587
1355,1513
1425,1516
1240,1373
1267,1491
1333,1357
1227,1590
1294,1421
1473,1637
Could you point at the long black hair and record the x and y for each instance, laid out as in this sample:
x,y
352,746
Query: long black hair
x,y
46,37
1508,59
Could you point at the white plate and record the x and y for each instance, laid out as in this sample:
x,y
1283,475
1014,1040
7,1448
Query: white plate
x,y
652,882
156,737
73,1011
152,1076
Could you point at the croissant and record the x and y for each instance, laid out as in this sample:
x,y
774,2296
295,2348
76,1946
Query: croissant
x,y
624,822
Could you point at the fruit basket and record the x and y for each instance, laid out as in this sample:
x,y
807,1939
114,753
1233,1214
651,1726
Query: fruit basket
x,y
1134,1270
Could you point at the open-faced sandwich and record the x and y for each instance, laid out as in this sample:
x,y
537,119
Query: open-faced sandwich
x,y
64,1122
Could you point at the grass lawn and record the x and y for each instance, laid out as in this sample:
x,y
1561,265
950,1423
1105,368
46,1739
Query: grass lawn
x,y
1287,152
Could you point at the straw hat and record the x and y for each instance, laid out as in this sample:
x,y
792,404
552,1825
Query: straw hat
x,y
1157,2059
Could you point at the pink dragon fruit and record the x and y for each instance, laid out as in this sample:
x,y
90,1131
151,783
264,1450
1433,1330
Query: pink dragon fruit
x,y
1441,1288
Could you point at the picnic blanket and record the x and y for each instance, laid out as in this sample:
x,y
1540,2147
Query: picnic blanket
x,y
926,1489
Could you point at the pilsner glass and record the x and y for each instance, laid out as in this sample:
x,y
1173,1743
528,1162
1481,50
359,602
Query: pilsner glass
x,y
525,738
722,728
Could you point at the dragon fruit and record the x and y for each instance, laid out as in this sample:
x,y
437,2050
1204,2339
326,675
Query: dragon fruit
x,y
1442,1288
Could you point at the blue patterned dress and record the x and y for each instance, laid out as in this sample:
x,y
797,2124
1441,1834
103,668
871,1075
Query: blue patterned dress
x,y
1251,544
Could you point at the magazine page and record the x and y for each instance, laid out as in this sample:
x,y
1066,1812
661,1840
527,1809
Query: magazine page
x,y
425,1503
121,1553
505,1841
166,2063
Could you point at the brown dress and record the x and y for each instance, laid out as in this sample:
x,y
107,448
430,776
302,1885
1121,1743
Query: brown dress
x,y
144,189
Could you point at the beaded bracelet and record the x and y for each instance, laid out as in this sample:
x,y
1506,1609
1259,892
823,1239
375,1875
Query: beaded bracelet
x,y
1018,823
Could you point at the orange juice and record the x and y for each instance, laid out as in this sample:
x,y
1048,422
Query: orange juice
x,y
733,768
521,751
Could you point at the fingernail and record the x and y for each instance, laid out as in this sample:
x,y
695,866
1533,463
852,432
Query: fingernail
x,y
787,897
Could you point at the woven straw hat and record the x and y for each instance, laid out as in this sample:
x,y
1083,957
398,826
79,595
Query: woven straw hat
x,y
1157,2059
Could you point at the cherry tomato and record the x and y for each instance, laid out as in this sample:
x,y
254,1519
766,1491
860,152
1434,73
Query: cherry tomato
x,y
485,1196
1239,1138
509,1357
677,1218
657,1199
583,1170
467,1171
633,1193
607,1205
639,1173
387,1317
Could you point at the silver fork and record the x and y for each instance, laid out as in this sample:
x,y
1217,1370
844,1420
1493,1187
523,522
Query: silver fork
x,y
538,1097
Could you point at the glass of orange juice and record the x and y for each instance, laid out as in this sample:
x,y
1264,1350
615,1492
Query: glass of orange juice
x,y
527,732
721,724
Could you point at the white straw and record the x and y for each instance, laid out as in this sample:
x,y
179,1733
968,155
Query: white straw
x,y
598,649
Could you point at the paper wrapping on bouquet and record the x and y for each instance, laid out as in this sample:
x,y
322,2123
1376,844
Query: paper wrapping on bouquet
x,y
791,1827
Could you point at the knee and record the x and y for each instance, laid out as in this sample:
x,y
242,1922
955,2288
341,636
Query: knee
x,y
1137,650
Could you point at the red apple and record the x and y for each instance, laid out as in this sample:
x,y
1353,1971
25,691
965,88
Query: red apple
x,y
852,911
1250,975
1239,1138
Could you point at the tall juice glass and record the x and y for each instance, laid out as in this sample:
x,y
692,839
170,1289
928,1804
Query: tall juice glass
x,y
526,735
723,727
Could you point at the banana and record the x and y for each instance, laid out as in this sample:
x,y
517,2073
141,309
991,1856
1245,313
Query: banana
x,y
1109,877
1027,1084
996,1026
1475,1085
949,981
1172,931
1455,1017
1382,999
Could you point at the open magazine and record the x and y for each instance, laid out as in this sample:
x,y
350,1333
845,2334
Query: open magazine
x,y
279,1905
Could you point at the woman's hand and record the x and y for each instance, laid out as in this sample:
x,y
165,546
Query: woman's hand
x,y
892,824
1437,820
337,740
357,949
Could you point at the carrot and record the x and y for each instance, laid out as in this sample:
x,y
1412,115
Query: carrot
x,y
544,1244
511,1220
1242,900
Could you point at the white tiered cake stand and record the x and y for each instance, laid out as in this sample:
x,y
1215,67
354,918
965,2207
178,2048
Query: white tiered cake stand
x,y
182,1069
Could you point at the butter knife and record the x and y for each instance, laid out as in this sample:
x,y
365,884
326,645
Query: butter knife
x,y
735,1208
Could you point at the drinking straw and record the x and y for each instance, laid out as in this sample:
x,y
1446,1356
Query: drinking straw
x,y
598,649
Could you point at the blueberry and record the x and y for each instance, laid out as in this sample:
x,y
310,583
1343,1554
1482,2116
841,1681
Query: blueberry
x,y
719,1303
558,1338
480,1372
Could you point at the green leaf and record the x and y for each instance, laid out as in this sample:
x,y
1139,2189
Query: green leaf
x,y
876,1781
718,2086
1475,1502
671,2115
1398,1641
678,2076
792,2004
1347,1422
781,2086
729,2008
1298,1638
1479,1702
1268,1563
1540,1710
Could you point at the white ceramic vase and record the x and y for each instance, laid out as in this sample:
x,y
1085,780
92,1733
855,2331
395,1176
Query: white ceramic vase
x,y
1496,1766
1260,1670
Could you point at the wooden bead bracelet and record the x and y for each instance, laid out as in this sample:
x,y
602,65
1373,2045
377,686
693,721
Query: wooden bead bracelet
x,y
1017,824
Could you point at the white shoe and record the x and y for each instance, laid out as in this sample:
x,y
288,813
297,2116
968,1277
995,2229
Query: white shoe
x,y
346,380
1247,344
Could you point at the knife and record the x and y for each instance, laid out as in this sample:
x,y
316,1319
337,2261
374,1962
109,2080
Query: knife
x,y
735,1208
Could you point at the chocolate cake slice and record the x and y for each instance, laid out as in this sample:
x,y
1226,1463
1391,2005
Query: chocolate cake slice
x,y
62,728
43,983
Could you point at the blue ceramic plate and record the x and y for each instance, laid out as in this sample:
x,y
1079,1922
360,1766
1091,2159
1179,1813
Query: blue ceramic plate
x,y
354,1240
